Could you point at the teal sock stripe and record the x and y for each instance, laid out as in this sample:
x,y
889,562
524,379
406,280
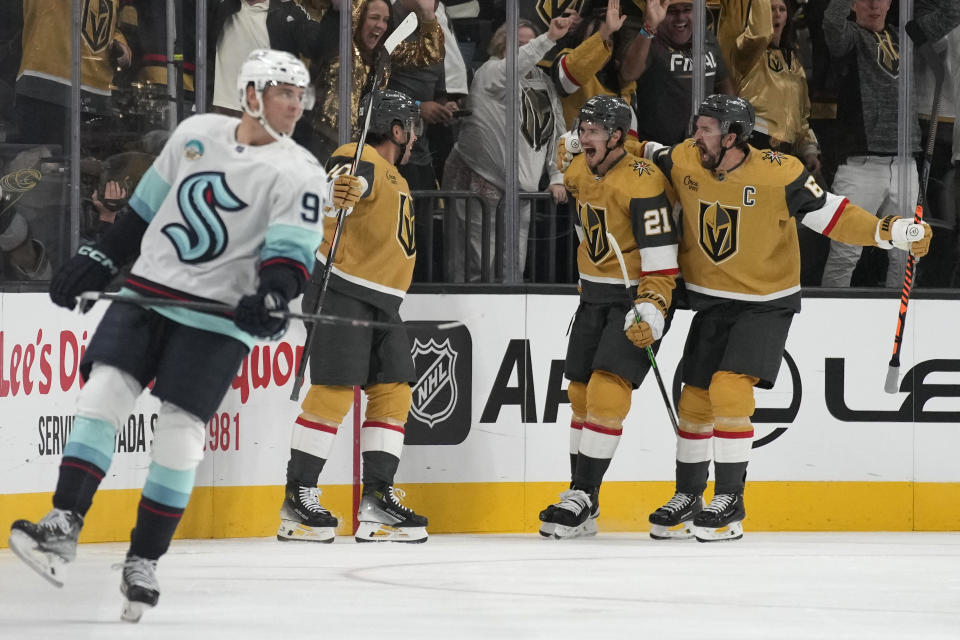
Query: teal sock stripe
x,y
168,486
91,439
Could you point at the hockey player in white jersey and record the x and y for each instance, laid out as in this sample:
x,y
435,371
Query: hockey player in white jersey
x,y
230,212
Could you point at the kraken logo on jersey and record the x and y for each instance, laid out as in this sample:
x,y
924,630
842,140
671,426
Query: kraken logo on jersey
x,y
888,54
593,220
405,226
204,237
96,23
536,117
719,230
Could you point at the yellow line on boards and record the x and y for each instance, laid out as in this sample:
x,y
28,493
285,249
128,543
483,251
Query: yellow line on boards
x,y
512,507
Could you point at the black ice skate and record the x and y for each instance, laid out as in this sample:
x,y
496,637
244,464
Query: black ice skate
x,y
674,520
302,517
139,586
720,520
575,516
47,546
384,519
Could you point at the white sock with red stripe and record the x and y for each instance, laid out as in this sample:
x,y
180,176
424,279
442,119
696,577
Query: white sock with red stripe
x,y
313,437
381,444
597,446
576,429
732,442
310,443
694,442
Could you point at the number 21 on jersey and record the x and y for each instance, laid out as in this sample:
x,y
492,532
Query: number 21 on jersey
x,y
656,221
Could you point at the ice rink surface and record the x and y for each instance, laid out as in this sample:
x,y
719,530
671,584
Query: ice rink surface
x,y
768,585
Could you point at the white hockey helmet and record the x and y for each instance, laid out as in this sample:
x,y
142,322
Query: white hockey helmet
x,y
265,67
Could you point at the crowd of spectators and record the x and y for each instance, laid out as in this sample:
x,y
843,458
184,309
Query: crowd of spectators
x,y
823,76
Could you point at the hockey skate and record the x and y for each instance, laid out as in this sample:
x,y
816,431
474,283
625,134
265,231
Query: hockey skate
x,y
302,517
575,516
384,519
47,546
720,520
139,586
674,520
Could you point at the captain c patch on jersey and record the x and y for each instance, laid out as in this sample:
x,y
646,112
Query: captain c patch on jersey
x,y
719,230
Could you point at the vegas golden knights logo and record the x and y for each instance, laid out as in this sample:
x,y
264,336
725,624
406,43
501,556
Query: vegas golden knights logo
x,y
719,230
550,9
594,223
536,118
775,61
97,23
405,226
888,54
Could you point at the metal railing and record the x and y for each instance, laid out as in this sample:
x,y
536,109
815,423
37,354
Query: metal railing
x,y
447,251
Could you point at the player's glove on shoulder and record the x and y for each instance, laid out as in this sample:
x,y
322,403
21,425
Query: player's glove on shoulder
x,y
567,146
253,314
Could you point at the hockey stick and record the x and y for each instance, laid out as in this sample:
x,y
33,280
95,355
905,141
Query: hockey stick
x,y
226,310
401,33
935,62
636,315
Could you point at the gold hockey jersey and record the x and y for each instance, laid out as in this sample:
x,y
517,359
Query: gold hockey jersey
x,y
738,236
45,66
774,84
576,74
377,251
633,202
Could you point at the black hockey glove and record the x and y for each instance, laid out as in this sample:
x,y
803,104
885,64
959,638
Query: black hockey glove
x,y
89,270
253,314
94,267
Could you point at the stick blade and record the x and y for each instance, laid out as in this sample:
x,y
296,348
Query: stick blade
x,y
401,33
892,383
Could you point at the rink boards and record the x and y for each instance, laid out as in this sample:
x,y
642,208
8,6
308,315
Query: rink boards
x,y
488,436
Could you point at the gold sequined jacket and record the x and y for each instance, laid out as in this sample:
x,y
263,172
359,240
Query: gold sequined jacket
x,y
426,49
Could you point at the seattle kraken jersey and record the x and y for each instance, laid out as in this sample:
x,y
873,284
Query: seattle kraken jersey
x,y
218,210
377,250
738,238
631,203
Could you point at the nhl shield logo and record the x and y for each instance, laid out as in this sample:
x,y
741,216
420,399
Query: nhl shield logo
x,y
719,230
435,392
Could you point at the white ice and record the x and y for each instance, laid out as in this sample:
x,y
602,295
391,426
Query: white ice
x,y
769,585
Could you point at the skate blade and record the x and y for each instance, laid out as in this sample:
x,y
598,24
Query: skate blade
x,y
682,531
49,566
297,531
728,533
379,532
585,530
132,610
547,529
